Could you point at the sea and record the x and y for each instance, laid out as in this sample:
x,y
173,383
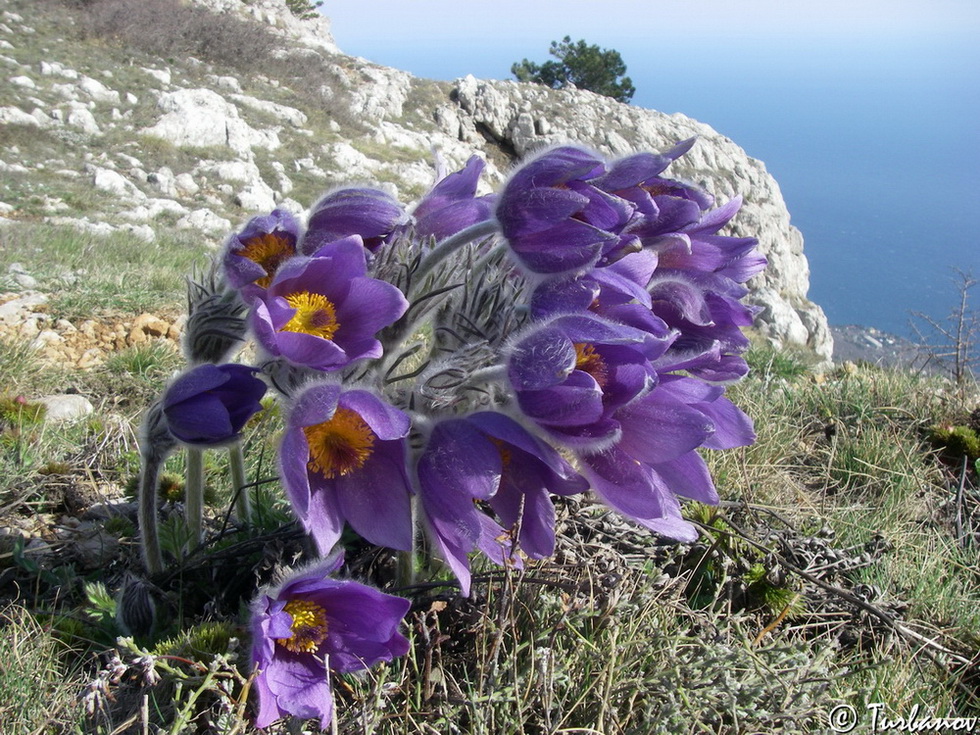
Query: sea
x,y
875,145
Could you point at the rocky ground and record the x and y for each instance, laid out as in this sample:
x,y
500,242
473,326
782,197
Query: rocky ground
x,y
855,343
24,316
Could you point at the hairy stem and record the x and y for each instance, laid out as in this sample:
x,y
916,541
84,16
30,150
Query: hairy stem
x,y
147,510
453,243
406,559
236,466
194,496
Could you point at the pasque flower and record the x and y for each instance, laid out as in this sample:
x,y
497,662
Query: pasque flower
x,y
371,214
208,405
452,204
655,458
489,457
556,221
662,205
252,256
310,626
570,374
343,459
323,312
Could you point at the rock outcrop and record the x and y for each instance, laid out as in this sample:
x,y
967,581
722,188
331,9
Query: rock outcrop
x,y
177,144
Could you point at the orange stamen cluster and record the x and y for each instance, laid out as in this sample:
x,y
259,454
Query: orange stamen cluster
x,y
591,362
315,314
341,445
269,251
309,626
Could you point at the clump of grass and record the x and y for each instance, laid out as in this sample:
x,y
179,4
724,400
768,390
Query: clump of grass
x,y
153,360
32,695
17,411
956,441
60,253
771,363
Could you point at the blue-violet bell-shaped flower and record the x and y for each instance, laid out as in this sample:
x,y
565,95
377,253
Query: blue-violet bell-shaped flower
x,y
489,457
555,221
208,405
655,459
323,312
310,626
252,256
343,459
570,374
452,204
371,214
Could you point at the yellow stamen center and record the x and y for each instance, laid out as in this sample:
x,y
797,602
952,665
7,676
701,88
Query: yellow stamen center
x,y
341,445
591,362
315,314
309,626
269,251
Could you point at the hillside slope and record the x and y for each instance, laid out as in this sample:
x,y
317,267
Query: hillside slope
x,y
236,107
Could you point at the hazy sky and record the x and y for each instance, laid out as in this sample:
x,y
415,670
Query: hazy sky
x,y
376,23
445,39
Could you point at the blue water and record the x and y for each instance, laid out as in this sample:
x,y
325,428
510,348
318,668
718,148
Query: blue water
x,y
876,148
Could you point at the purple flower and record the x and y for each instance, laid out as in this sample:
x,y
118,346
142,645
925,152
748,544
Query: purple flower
x,y
556,221
612,293
452,204
655,458
368,213
323,312
310,626
572,373
489,457
209,404
343,458
252,257
663,205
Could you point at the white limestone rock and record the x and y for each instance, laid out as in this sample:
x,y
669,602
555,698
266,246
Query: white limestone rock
x,y
15,116
82,118
185,184
115,183
57,69
97,91
23,81
202,117
205,221
256,197
282,113
161,75
379,93
66,408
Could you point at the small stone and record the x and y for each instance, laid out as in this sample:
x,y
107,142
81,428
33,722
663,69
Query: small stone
x,y
25,281
66,408
151,325
136,337
91,358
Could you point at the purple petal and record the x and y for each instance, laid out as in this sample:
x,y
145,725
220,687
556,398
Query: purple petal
x,y
369,306
658,428
324,520
375,498
688,476
541,359
575,402
314,405
294,455
300,685
386,421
